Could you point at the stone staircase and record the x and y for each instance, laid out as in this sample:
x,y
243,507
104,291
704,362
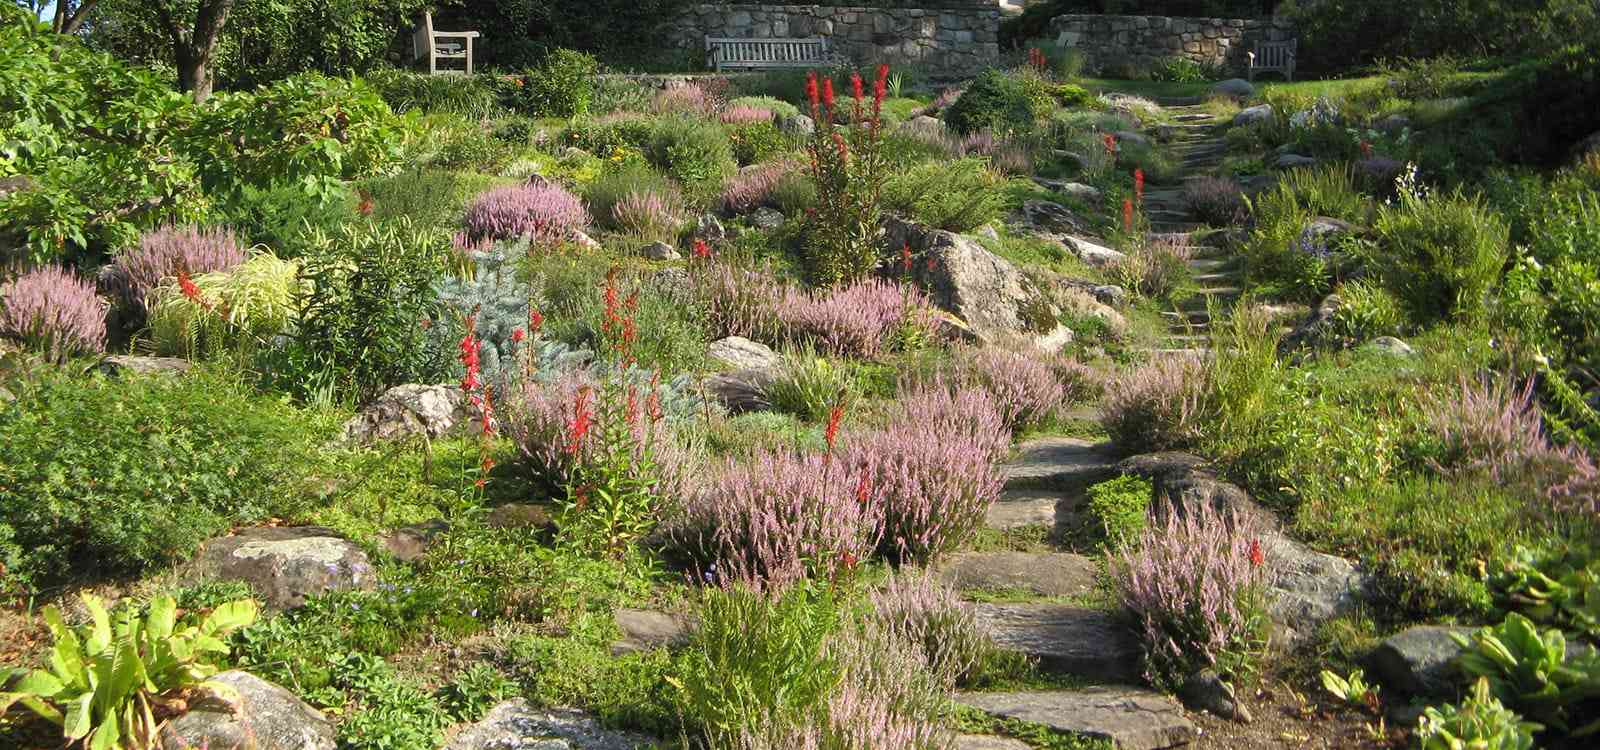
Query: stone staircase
x,y
1046,482
1195,139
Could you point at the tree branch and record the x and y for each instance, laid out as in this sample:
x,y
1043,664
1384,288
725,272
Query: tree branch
x,y
76,19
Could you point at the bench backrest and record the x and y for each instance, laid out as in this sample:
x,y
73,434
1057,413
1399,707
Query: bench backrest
x,y
422,41
732,51
1274,55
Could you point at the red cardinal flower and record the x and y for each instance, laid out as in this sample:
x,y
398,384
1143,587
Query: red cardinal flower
x,y
581,418
827,93
1138,185
811,89
1127,215
535,321
187,286
1256,558
701,249
469,355
831,434
855,87
1111,144
518,335
880,87
864,488
905,258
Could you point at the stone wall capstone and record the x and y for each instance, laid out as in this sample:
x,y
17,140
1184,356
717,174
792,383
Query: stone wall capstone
x,y
953,40
1115,43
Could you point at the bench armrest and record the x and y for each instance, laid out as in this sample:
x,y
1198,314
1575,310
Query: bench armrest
x,y
455,35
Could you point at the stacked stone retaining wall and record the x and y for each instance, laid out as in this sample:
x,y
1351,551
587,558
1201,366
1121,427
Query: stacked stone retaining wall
x,y
1125,44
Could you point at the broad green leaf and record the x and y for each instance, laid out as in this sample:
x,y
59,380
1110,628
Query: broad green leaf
x,y
76,724
100,634
163,616
33,703
230,617
40,683
106,735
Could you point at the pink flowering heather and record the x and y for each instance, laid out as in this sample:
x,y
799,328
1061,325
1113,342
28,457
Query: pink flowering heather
x,y
887,698
1214,200
1491,427
1156,407
860,320
934,470
746,115
919,608
52,310
1194,581
545,213
1024,385
752,188
161,253
648,214
688,98
740,301
777,518
540,421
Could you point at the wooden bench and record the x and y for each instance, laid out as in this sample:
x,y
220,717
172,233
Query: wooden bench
x,y
1273,57
438,45
757,54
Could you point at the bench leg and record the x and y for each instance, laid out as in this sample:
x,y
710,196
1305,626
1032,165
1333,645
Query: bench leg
x,y
469,56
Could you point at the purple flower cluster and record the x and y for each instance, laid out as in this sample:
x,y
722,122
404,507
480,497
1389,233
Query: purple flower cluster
x,y
919,608
859,320
1157,407
1214,200
739,301
687,98
1313,243
647,213
162,253
1193,581
1024,386
886,699
546,213
52,310
746,115
779,517
752,187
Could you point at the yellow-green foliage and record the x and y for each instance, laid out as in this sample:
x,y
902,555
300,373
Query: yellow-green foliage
x,y
235,310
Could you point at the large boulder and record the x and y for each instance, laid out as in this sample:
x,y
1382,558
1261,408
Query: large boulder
x,y
1420,660
1127,718
741,391
1237,88
248,713
739,353
516,725
996,301
1308,587
286,564
1047,218
1093,253
118,364
408,410
647,629
1261,113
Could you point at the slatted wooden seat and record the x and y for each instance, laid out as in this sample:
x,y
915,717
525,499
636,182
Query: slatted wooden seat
x,y
435,45
1273,57
724,53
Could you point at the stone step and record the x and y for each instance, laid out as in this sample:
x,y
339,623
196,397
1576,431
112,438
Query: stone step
x,y
1168,352
1220,291
1202,264
988,741
1017,508
1161,215
1062,464
1216,277
1193,315
1175,227
1058,574
1130,718
1191,340
1090,643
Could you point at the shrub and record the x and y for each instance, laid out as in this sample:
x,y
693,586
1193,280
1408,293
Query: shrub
x,y
685,99
162,253
794,193
278,216
604,193
918,608
862,320
775,107
547,214
742,114
1024,387
429,198
1160,406
690,149
473,98
1494,427
363,324
887,697
1119,509
238,310
648,215
955,196
849,170
603,135
993,101
1214,200
471,148
1479,721
51,310
778,518
934,471
1441,255
739,301
78,496
1194,581
1366,311
562,85
755,187
1155,269
754,142
1181,70
809,386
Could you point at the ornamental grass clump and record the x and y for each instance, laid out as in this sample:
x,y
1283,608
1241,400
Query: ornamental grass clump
x,y
933,471
51,310
849,168
1194,581
1160,406
778,518
648,215
1024,387
1154,269
237,310
864,320
546,214
162,253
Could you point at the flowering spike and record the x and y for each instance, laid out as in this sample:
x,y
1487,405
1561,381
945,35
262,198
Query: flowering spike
x,y
827,94
1138,185
1127,215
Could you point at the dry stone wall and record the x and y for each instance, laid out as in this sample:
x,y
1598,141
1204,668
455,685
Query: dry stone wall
x,y
1115,43
957,38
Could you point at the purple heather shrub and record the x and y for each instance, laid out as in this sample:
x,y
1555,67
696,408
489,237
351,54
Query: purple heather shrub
x,y
1214,200
1156,407
777,518
51,310
1081,383
934,470
1579,492
1154,269
162,253
539,417
1013,158
920,608
981,143
1194,581
647,213
861,320
740,301
945,99
752,187
886,698
1493,427
687,98
1024,385
745,115
544,212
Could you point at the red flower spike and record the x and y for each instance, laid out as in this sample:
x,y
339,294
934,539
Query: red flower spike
x,y
1127,215
1138,185
581,418
827,94
535,321
701,249
905,258
518,335
864,488
187,286
811,89
1111,145
831,434
1257,559
855,87
880,88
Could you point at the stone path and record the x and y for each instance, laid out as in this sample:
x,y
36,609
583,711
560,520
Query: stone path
x,y
1196,141
1132,718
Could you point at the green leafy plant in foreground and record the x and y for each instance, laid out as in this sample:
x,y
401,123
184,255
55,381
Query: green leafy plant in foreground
x,y
108,682
1561,588
1478,723
1353,690
1530,671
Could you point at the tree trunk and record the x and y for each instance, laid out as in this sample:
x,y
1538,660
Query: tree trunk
x,y
69,19
192,49
194,74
